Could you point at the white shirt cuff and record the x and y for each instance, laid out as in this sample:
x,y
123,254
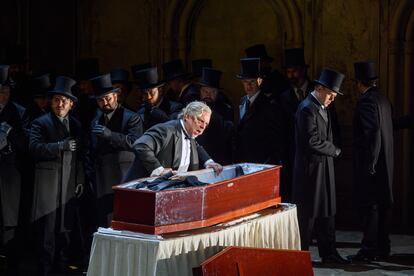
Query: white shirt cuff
x,y
157,171
209,161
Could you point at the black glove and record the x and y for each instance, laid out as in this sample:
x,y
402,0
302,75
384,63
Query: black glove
x,y
69,144
102,131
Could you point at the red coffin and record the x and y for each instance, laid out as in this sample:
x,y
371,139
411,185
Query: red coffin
x,y
226,198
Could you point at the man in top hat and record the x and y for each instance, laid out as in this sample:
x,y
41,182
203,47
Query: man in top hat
x,y
217,138
373,163
170,147
156,108
114,130
12,150
55,140
314,176
273,82
258,131
120,80
40,87
179,82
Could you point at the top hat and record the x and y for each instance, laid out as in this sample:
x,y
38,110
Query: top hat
x,y
331,79
87,68
210,78
148,78
294,57
258,51
40,85
119,75
250,68
102,85
174,70
63,87
365,70
197,66
138,67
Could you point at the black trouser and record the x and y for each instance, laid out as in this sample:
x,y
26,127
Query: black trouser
x,y
376,220
324,229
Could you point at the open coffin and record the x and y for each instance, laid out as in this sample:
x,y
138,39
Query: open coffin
x,y
226,197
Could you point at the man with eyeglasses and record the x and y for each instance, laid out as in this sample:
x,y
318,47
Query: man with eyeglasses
x,y
313,173
55,145
170,147
113,131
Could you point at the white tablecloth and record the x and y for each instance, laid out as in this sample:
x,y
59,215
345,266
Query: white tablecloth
x,y
124,253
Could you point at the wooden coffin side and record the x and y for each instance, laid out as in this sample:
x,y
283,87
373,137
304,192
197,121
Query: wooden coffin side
x,y
179,205
256,261
242,195
134,210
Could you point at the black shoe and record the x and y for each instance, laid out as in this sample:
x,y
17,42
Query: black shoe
x,y
335,259
363,257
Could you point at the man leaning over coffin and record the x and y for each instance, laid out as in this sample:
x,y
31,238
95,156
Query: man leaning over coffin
x,y
170,147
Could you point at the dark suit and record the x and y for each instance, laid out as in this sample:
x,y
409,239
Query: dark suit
x,y
111,158
313,178
11,158
373,168
56,175
218,136
165,111
258,133
161,146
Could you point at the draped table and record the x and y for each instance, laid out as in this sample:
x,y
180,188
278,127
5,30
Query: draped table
x,y
128,253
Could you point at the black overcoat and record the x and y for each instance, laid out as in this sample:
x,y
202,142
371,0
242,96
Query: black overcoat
x,y
313,172
373,149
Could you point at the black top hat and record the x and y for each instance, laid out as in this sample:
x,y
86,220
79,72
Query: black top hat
x,y
119,75
331,79
294,57
174,70
197,66
365,70
148,78
258,51
102,85
250,68
40,85
87,68
138,67
211,78
63,87
4,74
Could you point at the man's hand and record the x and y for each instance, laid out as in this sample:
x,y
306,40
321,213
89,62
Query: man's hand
x,y
69,144
102,131
168,171
215,166
78,190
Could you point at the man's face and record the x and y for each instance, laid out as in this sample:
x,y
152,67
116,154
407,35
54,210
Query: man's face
x,y
108,102
4,94
251,86
325,95
195,126
296,76
41,102
208,94
151,95
61,105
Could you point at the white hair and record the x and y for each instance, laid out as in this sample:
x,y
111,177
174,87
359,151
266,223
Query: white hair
x,y
194,109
